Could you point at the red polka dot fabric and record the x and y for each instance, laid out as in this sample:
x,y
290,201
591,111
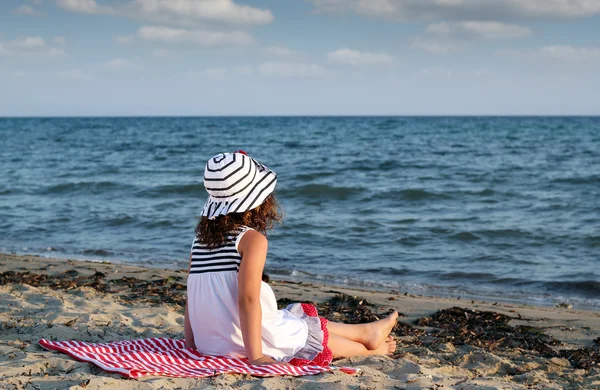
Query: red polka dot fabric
x,y
324,358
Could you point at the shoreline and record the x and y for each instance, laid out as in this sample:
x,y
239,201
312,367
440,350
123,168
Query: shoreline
x,y
432,292
113,302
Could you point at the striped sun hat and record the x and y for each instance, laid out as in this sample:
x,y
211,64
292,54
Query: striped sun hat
x,y
235,183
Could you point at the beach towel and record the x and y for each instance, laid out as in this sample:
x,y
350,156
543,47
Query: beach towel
x,y
169,357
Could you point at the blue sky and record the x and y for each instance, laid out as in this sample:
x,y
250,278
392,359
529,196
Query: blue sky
x,y
299,57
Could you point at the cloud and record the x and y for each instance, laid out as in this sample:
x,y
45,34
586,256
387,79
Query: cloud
x,y
25,10
290,69
177,12
85,7
478,29
32,45
28,43
196,37
200,10
462,9
120,64
60,40
571,54
434,46
280,51
354,57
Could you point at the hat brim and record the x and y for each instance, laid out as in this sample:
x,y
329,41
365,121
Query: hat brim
x,y
262,186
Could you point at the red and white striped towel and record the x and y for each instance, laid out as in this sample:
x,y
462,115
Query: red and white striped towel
x,y
169,357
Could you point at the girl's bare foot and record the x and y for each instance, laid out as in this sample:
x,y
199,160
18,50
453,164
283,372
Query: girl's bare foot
x,y
388,347
377,332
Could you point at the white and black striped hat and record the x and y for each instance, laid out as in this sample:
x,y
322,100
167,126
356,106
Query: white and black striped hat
x,y
235,183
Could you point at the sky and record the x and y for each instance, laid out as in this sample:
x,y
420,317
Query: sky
x,y
299,57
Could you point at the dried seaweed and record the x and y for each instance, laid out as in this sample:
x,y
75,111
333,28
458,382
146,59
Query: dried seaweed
x,y
491,331
68,280
585,358
488,330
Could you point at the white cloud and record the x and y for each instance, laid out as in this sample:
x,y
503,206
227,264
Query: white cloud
x,y
60,40
571,53
433,45
478,29
200,10
280,51
177,12
120,64
355,57
25,10
290,69
124,39
197,37
33,45
28,43
85,6
462,9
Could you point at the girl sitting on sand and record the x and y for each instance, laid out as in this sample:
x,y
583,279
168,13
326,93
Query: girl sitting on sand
x,y
230,310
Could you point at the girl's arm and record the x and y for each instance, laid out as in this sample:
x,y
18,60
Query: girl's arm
x,y
187,328
253,248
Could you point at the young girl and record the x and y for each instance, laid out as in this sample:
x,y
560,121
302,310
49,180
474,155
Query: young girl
x,y
230,310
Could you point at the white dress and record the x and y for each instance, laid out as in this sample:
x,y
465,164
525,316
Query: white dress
x,y
212,289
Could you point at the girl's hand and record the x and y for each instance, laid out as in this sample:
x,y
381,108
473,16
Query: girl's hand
x,y
266,360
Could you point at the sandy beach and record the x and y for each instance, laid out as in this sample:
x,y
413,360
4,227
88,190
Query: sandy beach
x,y
443,343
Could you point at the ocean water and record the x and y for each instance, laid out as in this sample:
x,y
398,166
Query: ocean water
x,y
504,208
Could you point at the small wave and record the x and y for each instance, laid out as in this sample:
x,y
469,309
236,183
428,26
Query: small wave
x,y
508,233
312,176
173,189
83,186
322,191
387,124
388,271
414,194
410,240
465,236
593,179
97,252
479,276
119,221
9,191
587,288
593,241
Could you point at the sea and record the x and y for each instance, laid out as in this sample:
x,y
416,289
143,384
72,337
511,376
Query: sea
x,y
494,208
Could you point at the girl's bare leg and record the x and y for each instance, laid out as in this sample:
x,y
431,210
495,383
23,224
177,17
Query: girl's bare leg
x,y
343,347
371,335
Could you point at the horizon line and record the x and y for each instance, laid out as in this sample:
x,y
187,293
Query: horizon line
x,y
304,116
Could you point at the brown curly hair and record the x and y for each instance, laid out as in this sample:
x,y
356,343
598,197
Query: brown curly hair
x,y
213,233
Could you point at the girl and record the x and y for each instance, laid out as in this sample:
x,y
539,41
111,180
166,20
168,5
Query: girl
x,y
230,310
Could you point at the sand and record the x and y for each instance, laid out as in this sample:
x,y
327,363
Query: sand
x,y
29,313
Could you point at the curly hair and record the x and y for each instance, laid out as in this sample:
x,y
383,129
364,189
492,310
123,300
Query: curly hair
x,y
213,233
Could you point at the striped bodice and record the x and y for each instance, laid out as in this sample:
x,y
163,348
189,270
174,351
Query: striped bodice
x,y
221,259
